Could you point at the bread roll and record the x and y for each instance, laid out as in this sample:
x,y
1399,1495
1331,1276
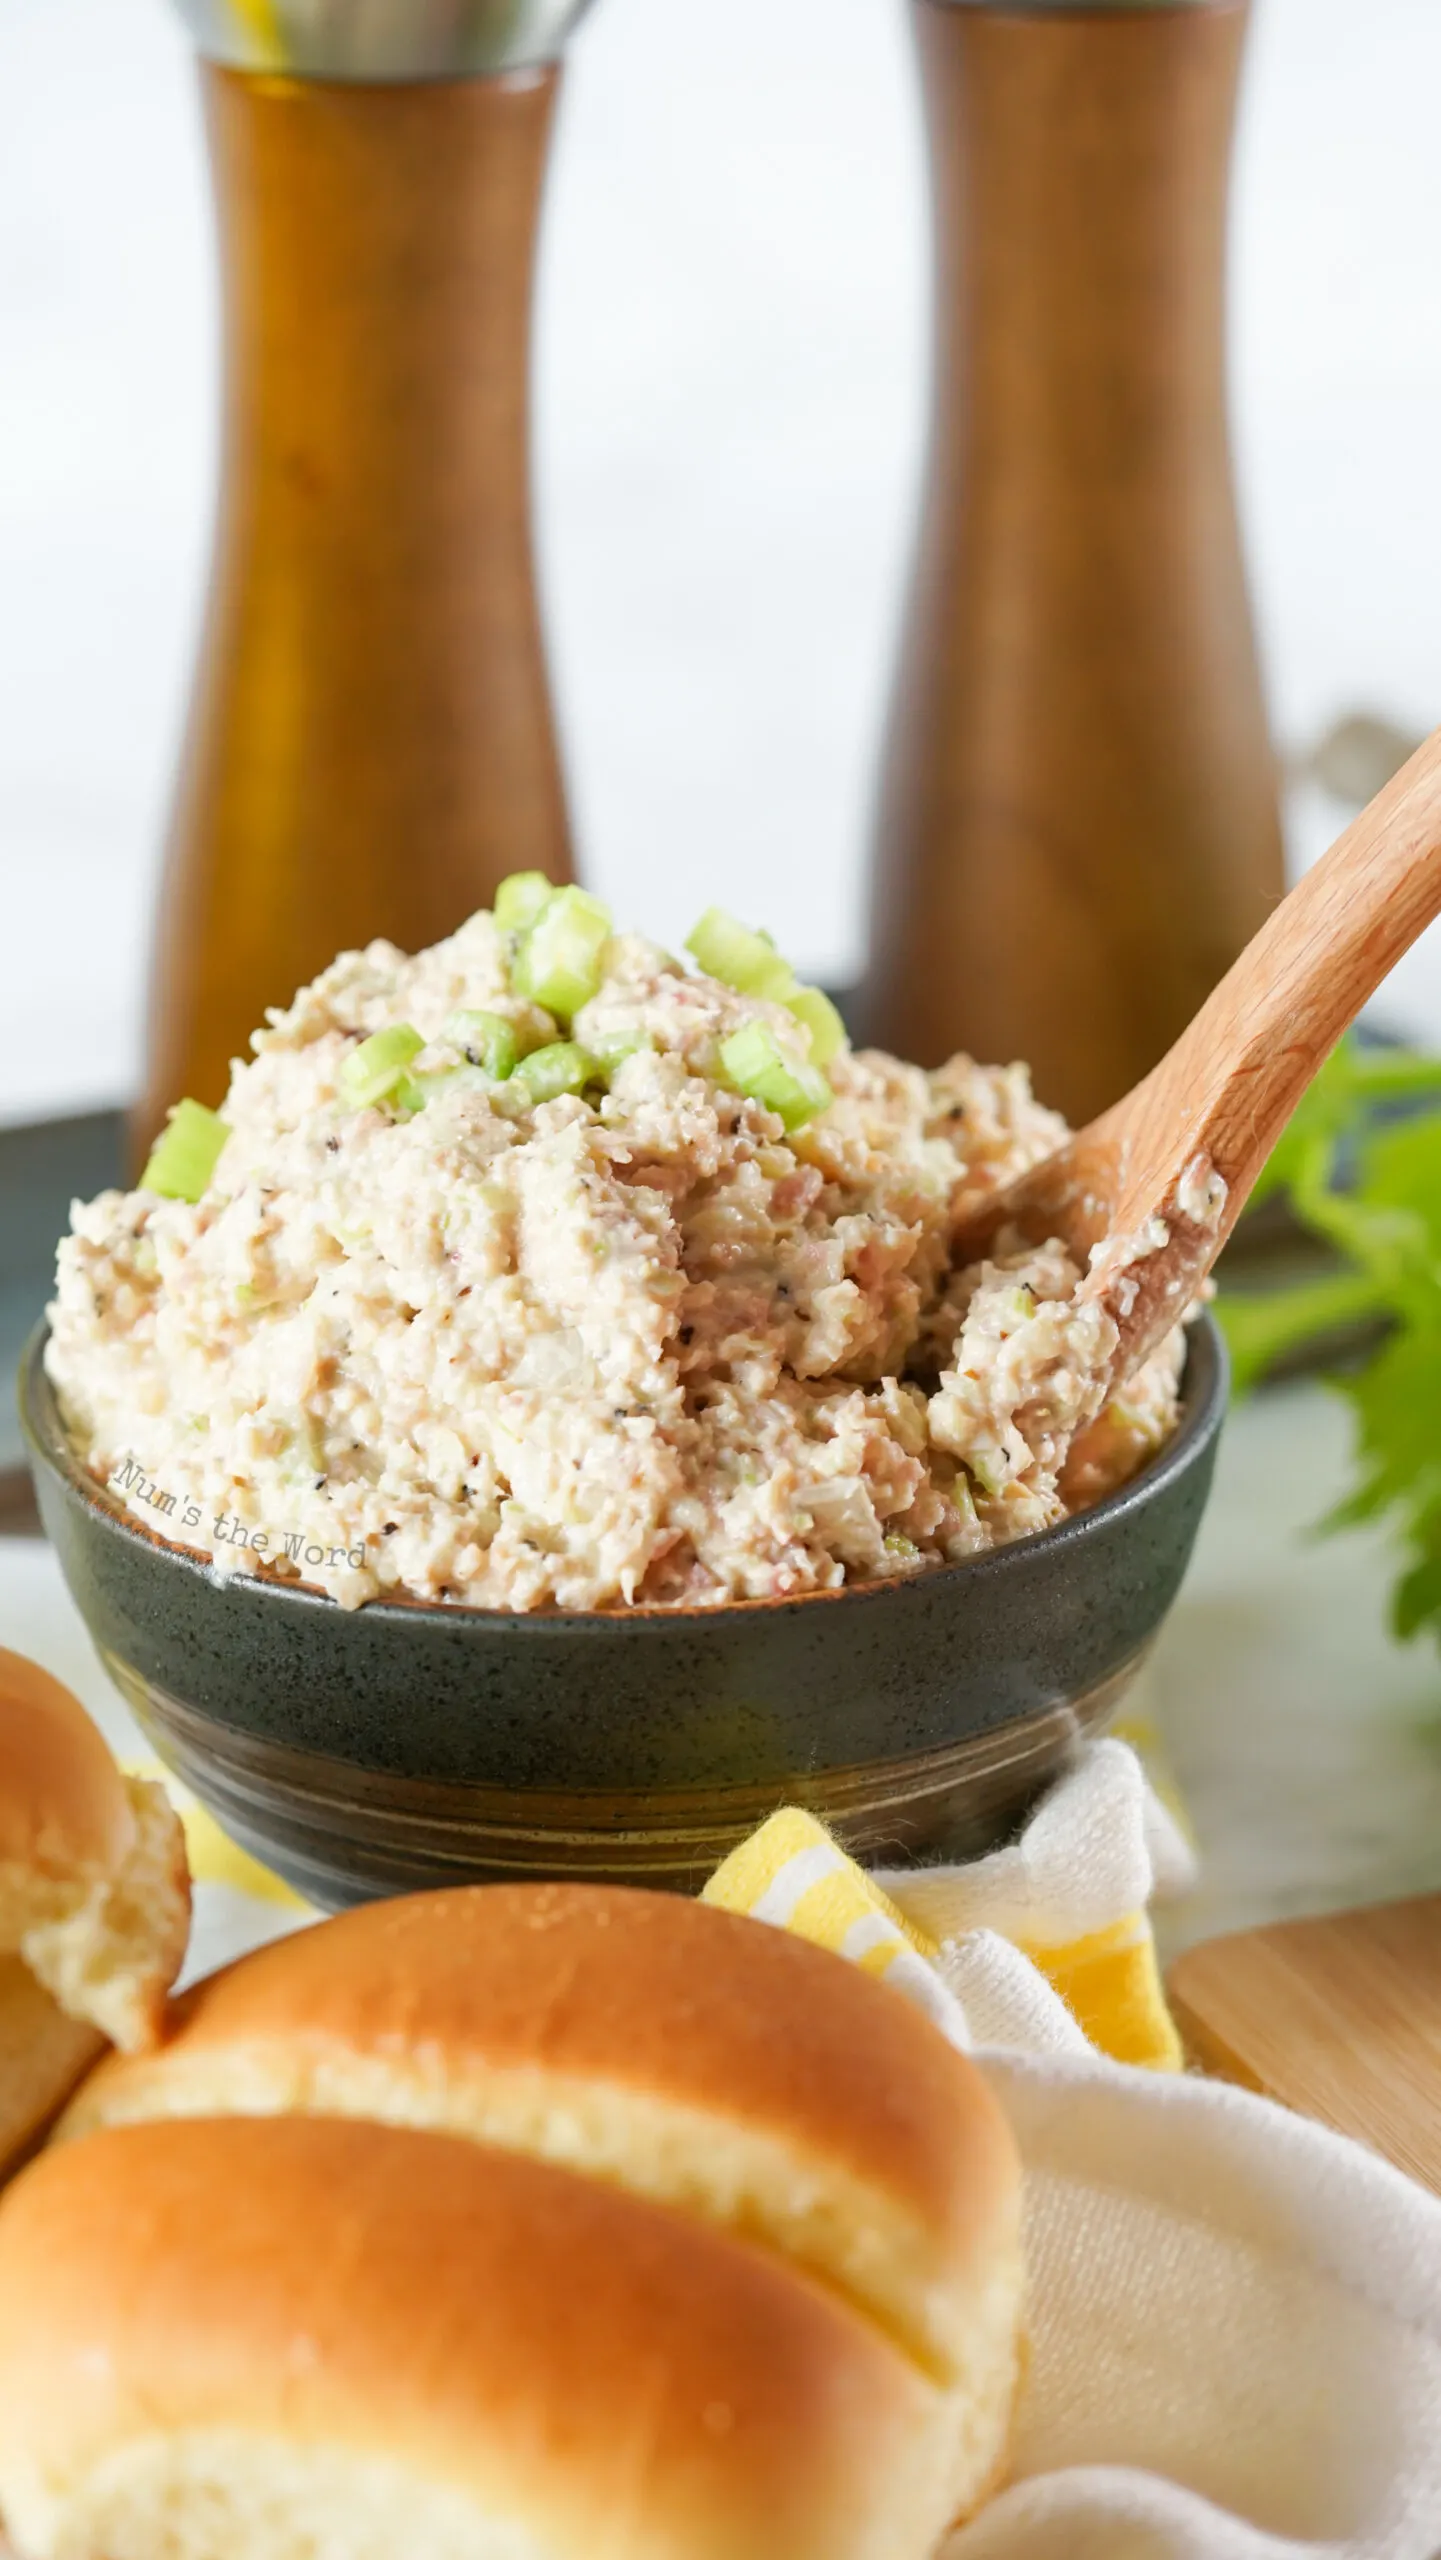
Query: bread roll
x,y
94,1888
701,2059
311,2339
519,2223
62,1799
43,2055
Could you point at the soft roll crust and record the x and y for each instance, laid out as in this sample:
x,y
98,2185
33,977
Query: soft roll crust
x,y
319,2340
728,2069
516,2223
94,1885
43,2054
63,1804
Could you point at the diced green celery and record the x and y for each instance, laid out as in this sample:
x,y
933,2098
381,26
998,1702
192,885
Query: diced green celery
x,y
488,1040
562,1066
561,961
816,1012
414,1092
740,957
755,1064
518,900
612,1048
376,1068
186,1153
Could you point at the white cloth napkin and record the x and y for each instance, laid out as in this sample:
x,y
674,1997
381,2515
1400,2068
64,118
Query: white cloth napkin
x,y
1235,2315
1235,2328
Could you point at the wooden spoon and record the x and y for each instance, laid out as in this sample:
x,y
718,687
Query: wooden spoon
x,y
1146,1195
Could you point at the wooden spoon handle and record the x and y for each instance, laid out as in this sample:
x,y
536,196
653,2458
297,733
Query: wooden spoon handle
x,y
1229,1085
1221,1096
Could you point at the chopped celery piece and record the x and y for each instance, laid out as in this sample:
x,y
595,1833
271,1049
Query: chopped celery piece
x,y
821,1020
518,900
561,961
186,1153
561,1067
741,958
612,1049
378,1065
757,1066
488,1040
414,1092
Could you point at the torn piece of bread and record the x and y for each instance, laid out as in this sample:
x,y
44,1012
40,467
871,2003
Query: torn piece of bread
x,y
94,1886
313,2339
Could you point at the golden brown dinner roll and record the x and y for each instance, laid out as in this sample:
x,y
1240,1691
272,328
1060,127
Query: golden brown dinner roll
x,y
94,1889
311,2339
704,2060
43,2054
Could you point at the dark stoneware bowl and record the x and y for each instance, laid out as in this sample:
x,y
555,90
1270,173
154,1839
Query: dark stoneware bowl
x,y
372,1751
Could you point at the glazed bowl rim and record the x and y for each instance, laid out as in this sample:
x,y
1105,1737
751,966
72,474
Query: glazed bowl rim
x,y
1203,1407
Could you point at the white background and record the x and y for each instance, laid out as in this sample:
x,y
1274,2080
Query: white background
x,y
731,371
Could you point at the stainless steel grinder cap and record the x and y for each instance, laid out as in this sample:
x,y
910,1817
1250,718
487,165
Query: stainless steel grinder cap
x,y
382,40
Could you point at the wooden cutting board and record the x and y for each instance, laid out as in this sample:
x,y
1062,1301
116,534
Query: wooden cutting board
x,y
1339,2018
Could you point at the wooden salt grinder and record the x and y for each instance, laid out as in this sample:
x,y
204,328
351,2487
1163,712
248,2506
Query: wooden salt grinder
x,y
1079,826
370,745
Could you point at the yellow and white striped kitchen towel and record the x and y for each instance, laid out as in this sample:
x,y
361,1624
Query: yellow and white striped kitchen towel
x,y
1044,1944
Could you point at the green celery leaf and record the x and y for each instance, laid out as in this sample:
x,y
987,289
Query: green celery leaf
x,y
1401,1170
1371,1187
1265,1326
1396,1402
1416,1600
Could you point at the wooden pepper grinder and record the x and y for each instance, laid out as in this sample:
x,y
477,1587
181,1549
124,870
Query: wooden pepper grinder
x,y
1079,825
370,746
